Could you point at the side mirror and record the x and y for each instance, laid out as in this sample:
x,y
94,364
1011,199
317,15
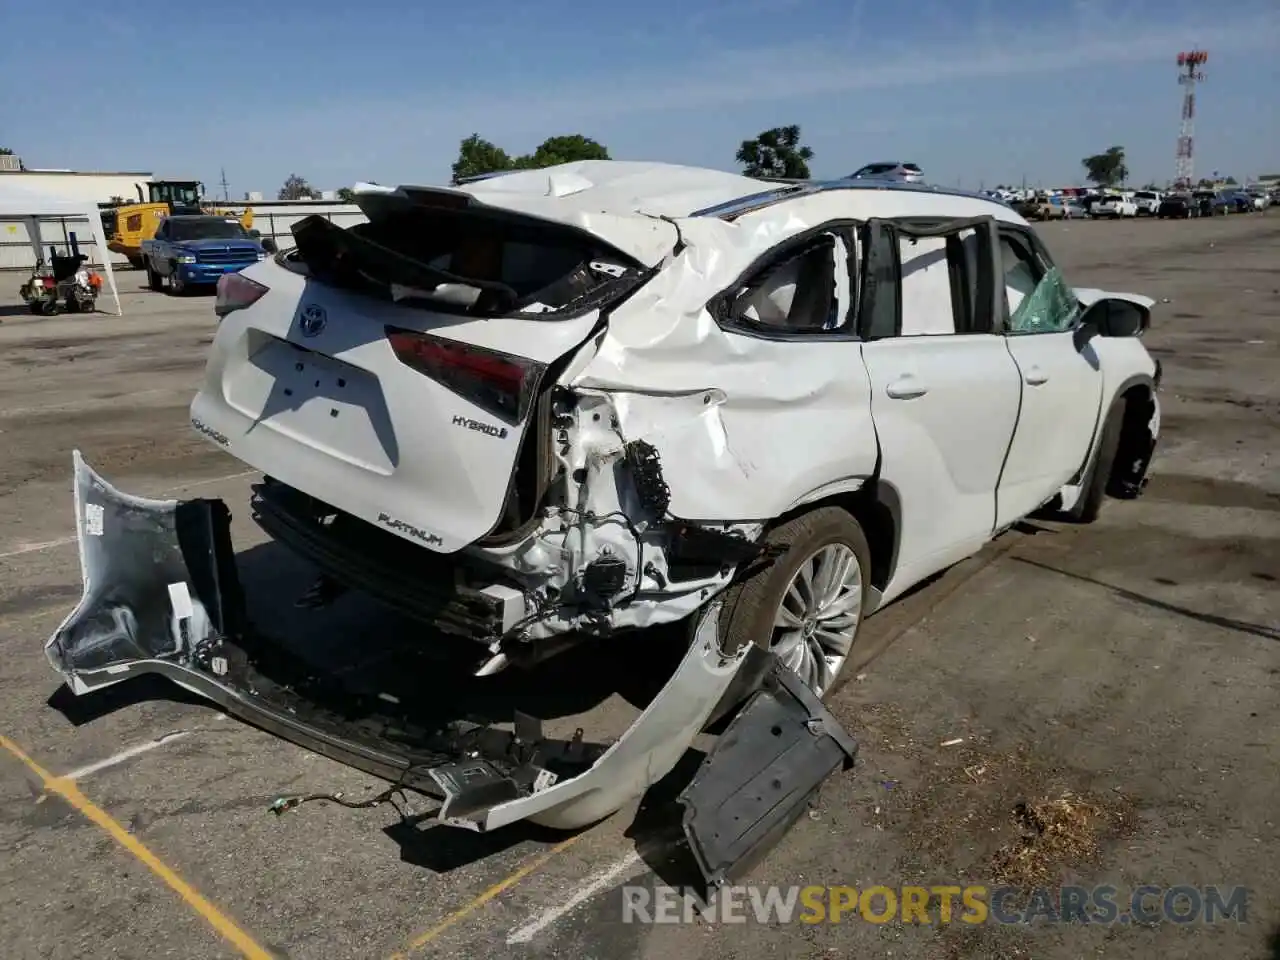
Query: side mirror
x,y
255,233
1117,318
1126,319
269,245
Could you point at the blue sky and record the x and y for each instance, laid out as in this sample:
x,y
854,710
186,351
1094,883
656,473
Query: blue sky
x,y
973,90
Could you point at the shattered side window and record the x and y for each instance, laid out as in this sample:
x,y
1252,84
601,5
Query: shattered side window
x,y
1037,297
1050,307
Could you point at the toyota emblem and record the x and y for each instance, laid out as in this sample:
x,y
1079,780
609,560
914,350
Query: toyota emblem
x,y
313,320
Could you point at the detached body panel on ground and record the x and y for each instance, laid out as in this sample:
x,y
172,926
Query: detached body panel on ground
x,y
531,424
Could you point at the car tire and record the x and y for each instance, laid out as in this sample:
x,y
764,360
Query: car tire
x,y
176,285
1089,506
752,607
153,279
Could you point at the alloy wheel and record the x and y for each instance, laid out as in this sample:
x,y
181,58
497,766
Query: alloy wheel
x,y
816,620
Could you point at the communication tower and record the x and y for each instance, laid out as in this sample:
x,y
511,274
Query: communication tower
x,y
1189,74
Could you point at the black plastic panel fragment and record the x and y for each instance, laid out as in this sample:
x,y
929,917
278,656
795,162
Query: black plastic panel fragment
x,y
759,778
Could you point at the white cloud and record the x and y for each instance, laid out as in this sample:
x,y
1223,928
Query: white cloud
x,y
416,131
808,69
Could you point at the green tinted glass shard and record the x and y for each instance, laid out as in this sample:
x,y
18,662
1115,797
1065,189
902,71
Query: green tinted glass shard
x,y
1050,308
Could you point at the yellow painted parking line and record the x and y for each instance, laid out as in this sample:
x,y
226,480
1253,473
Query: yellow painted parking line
x,y
424,938
68,791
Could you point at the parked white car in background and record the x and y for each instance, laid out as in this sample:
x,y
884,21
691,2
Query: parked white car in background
x,y
1115,207
894,170
1147,202
578,401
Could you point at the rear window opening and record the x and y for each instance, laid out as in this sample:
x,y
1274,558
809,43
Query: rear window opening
x,y
480,263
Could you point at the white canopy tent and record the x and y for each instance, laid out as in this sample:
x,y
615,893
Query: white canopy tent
x,y
24,206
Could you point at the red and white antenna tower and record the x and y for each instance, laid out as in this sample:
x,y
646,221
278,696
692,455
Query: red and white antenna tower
x,y
1189,74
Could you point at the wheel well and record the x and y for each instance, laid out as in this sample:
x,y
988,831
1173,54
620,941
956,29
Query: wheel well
x,y
875,506
1133,453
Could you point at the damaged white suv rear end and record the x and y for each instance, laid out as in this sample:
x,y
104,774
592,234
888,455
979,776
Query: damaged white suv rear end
x,y
560,406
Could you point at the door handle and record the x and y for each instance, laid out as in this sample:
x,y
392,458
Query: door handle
x,y
1035,376
906,387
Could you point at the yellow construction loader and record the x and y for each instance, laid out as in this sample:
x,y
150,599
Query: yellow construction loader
x,y
126,225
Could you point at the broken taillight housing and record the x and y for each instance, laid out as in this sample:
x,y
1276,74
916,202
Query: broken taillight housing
x,y
235,292
500,383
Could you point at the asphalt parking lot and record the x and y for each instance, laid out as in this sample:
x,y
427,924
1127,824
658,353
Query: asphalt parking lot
x,y
1128,671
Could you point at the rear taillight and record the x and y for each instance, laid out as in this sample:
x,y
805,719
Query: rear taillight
x,y
235,292
48,283
500,383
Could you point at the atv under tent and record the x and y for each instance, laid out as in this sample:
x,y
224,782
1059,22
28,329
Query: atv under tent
x,y
24,206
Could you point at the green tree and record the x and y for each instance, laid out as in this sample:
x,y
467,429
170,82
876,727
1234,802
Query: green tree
x,y
776,153
477,156
296,188
5,152
1231,181
1106,169
568,148
347,195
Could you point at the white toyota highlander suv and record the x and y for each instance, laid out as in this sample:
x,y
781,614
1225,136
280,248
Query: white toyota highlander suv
x,y
561,405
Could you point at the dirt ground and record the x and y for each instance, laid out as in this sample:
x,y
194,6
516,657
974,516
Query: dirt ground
x,y
1082,705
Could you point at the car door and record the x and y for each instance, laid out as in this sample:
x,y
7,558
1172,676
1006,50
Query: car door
x,y
160,263
767,408
944,388
1060,376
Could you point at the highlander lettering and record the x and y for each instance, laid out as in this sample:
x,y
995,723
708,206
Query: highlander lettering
x,y
479,427
211,433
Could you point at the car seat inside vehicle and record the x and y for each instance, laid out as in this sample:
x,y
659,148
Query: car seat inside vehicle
x,y
797,294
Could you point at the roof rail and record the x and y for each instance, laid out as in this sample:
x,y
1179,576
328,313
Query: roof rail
x,y
459,181
790,189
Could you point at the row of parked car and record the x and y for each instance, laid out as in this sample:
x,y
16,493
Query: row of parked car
x,y
1212,203
1144,203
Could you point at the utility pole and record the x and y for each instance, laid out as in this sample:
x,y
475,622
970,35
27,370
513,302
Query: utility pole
x,y
226,196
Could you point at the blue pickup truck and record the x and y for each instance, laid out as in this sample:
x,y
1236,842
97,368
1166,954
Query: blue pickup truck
x,y
192,251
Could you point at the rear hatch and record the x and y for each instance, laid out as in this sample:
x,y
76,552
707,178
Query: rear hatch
x,y
393,369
